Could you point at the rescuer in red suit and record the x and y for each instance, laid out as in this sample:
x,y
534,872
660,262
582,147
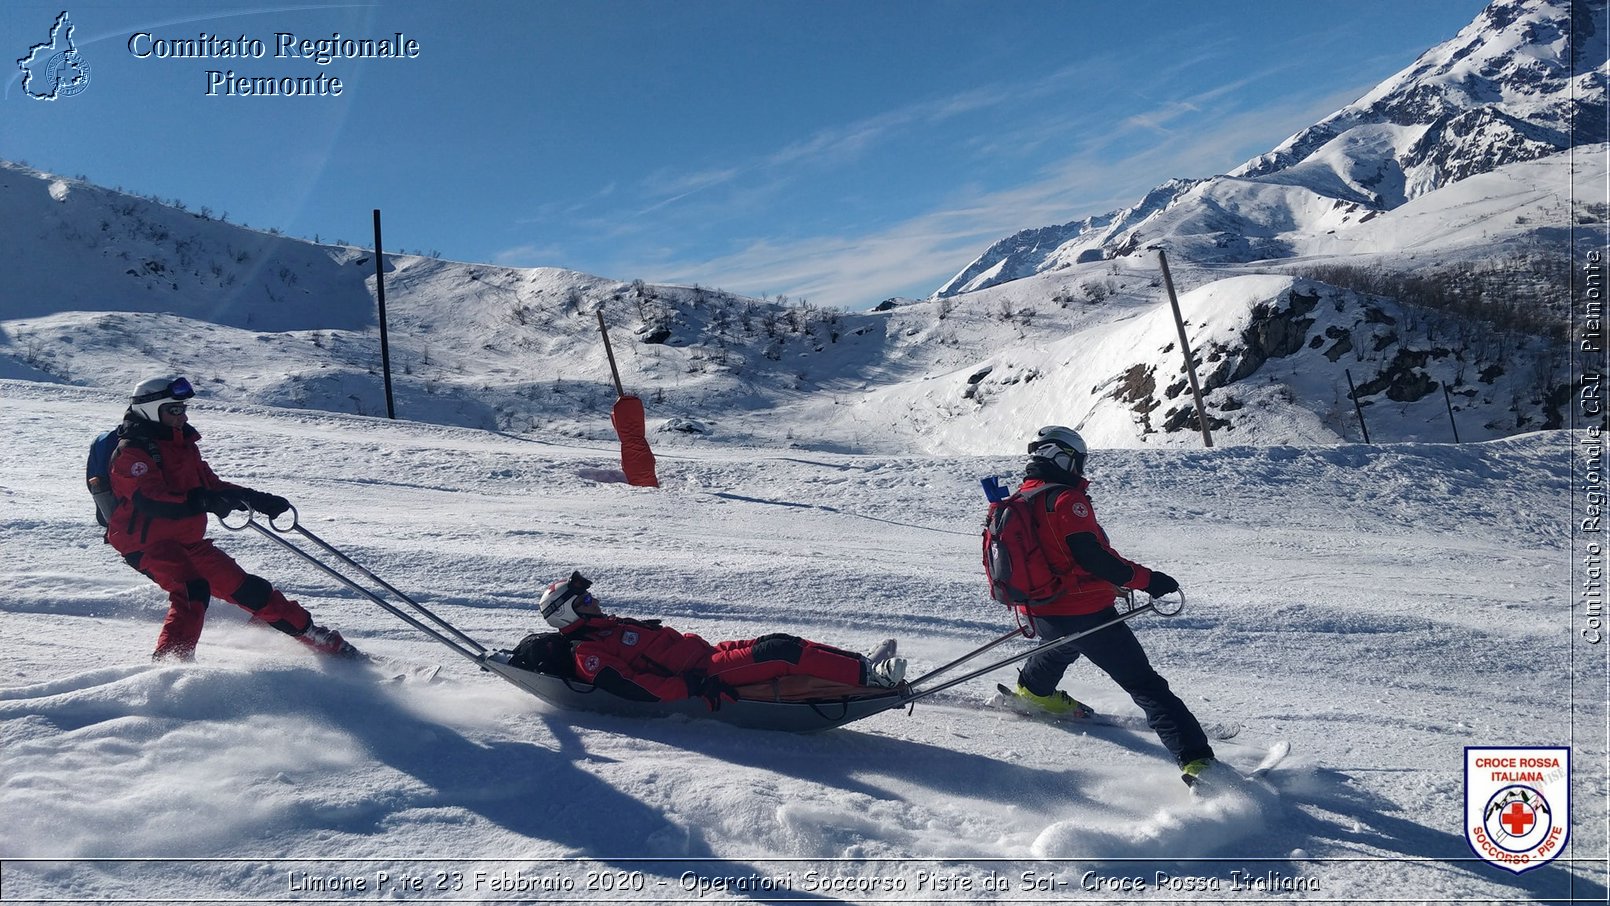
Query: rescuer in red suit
x,y
645,660
1092,573
164,491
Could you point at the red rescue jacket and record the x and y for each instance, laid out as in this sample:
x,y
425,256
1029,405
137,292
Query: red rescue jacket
x,y
1073,514
152,503
651,656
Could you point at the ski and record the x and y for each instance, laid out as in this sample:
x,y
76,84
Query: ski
x,y
391,670
1208,782
1007,700
1271,759
1221,731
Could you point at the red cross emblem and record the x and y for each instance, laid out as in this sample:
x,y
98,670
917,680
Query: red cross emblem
x,y
1517,804
1518,818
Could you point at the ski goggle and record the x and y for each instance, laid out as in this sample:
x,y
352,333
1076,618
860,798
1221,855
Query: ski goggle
x,y
179,389
1063,455
563,608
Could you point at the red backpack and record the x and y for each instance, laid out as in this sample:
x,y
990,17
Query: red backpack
x,y
1019,571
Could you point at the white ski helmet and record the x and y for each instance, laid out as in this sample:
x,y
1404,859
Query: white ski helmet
x,y
151,394
559,603
1062,446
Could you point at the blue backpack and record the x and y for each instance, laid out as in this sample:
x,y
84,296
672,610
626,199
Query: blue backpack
x,y
98,471
98,474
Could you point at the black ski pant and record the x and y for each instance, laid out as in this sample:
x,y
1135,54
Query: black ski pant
x,y
1118,653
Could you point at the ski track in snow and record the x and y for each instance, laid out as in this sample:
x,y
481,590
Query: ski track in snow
x,y
1379,607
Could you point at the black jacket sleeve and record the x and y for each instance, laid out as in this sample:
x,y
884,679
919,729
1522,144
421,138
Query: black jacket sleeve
x,y
1095,559
617,685
163,509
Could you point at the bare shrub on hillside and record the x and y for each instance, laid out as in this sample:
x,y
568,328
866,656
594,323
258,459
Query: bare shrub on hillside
x,y
1519,295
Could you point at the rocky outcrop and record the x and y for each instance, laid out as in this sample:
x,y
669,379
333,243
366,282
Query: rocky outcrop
x,y
1298,348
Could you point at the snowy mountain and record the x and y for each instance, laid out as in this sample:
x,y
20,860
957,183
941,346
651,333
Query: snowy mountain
x,y
1023,254
105,287
1525,80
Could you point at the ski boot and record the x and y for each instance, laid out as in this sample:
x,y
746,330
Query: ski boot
x,y
884,651
882,668
1192,773
886,673
326,641
1058,704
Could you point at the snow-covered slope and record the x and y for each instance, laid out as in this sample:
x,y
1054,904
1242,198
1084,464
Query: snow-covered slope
x,y
1264,343
75,246
1525,81
1056,325
1379,607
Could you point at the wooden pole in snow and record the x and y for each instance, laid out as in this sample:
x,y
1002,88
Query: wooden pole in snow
x,y
608,351
1449,401
380,293
1185,346
1353,392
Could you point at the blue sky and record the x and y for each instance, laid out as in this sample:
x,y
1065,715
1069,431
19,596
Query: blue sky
x,y
843,151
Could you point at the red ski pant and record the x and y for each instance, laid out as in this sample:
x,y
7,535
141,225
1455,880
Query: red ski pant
x,y
768,657
192,574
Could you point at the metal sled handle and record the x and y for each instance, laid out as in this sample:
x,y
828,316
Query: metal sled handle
x,y
1133,611
1167,608
251,515
295,520
297,527
1159,605
475,655
422,609
1015,633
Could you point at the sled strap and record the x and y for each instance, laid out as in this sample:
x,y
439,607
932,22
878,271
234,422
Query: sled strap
x,y
1045,646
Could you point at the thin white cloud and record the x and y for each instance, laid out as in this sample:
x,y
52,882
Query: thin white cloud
x,y
674,187
1101,170
1157,120
855,271
839,143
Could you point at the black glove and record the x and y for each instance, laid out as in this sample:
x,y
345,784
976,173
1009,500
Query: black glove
x,y
218,503
713,691
270,505
1161,584
695,680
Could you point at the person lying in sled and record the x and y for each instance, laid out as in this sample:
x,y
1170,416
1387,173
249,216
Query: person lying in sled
x,y
647,661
